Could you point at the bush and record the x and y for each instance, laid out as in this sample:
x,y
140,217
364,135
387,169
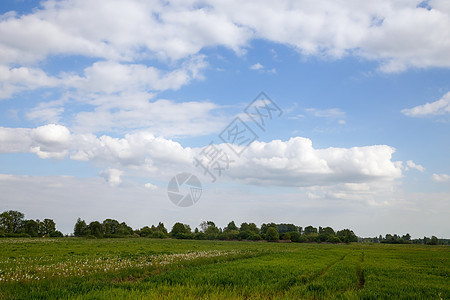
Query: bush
x,y
183,236
18,235
229,235
199,236
272,234
56,234
286,236
295,236
254,237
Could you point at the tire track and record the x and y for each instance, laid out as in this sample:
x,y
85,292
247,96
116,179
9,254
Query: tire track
x,y
305,280
360,273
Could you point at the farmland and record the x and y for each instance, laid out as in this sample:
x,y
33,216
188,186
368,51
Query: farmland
x,y
78,268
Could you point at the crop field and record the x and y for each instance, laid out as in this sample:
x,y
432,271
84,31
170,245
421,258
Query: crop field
x,y
72,268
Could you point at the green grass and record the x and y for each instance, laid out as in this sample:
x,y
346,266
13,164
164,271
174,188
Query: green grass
x,y
185,269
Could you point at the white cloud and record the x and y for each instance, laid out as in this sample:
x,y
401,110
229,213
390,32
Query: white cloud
x,y
439,107
256,66
380,31
14,140
110,77
296,163
150,186
333,114
112,176
412,165
327,113
284,163
376,31
441,177
47,112
50,141
163,117
14,80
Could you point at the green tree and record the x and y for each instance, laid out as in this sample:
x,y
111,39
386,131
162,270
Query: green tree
x,y
162,229
95,228
146,231
48,226
231,226
32,228
111,226
124,229
327,230
433,241
295,236
209,229
181,231
264,228
12,221
284,228
80,228
56,233
347,236
272,234
6,223
310,230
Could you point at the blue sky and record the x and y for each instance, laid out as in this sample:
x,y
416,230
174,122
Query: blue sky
x,y
101,104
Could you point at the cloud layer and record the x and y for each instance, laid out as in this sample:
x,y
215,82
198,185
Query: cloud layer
x,y
178,29
436,108
293,163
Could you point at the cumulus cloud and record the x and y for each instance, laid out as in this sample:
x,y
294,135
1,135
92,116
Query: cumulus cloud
x,y
112,176
14,80
377,31
256,66
439,107
294,162
49,141
441,177
297,163
110,77
413,165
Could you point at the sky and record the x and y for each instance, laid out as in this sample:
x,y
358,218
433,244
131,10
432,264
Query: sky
x,y
323,113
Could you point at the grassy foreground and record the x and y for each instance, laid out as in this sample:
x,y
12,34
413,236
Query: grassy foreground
x,y
182,269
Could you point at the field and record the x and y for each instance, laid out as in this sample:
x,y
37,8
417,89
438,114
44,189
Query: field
x,y
185,269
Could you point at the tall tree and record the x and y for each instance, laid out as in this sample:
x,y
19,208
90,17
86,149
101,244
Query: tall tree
x,y
310,230
347,236
178,228
80,228
95,228
49,226
32,228
231,226
12,221
111,226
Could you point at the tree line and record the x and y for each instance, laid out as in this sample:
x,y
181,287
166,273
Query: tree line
x,y
406,239
208,230
13,224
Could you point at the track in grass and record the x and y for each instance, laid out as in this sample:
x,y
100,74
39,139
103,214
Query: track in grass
x,y
360,272
230,270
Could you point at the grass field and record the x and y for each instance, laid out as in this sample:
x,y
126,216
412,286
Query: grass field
x,y
185,269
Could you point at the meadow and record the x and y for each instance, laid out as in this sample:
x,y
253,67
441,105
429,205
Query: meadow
x,y
141,268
